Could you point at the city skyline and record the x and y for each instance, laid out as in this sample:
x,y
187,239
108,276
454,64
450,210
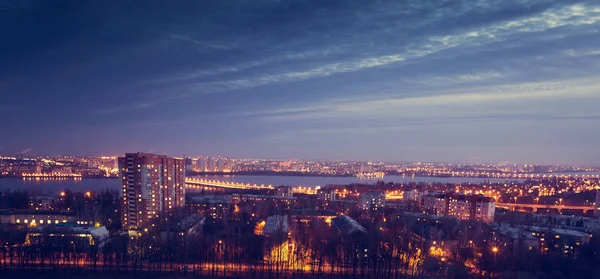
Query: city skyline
x,y
489,81
30,154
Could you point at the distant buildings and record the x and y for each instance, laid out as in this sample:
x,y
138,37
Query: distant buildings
x,y
597,204
201,164
211,164
284,191
372,201
414,195
221,162
189,165
151,184
327,194
473,207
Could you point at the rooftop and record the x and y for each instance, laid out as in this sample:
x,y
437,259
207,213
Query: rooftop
x,y
39,212
312,212
347,225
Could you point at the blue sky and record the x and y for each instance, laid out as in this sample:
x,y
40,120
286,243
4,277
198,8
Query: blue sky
x,y
477,80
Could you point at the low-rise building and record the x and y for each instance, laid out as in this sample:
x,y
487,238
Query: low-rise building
x,y
302,215
517,236
276,224
69,235
37,217
414,195
348,226
184,229
564,241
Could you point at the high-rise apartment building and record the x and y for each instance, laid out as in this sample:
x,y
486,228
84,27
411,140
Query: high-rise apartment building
x,y
189,164
211,163
201,164
151,184
229,164
221,164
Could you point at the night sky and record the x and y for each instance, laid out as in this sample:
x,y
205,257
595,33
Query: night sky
x,y
474,80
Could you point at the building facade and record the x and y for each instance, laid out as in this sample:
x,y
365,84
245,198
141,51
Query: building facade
x,y
284,191
372,201
151,184
597,204
37,217
201,164
473,207
327,194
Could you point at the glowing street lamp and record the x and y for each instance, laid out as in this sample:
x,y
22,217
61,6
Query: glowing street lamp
x,y
495,251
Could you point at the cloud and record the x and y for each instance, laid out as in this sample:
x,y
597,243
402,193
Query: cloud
x,y
200,43
449,103
133,106
26,151
572,15
268,67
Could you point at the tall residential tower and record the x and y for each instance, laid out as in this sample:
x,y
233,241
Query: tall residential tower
x,y
151,184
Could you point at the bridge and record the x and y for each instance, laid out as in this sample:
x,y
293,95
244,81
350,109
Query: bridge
x,y
196,183
535,207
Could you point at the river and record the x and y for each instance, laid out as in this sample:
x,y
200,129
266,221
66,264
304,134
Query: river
x,y
56,185
49,185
